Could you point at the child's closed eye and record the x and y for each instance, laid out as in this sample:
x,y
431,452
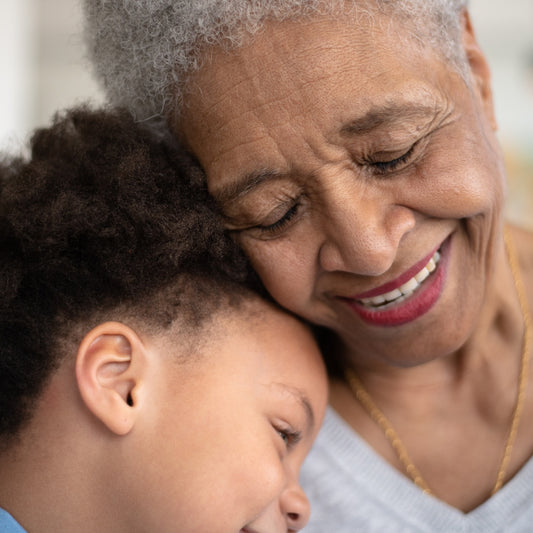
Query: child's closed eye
x,y
288,435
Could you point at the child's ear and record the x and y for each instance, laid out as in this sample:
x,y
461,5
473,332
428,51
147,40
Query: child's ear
x,y
110,364
479,68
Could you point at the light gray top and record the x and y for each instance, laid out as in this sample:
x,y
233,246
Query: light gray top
x,y
352,489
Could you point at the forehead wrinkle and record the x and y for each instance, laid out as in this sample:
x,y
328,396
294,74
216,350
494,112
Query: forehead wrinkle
x,y
263,111
329,155
244,182
241,182
253,82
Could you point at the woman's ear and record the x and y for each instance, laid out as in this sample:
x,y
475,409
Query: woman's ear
x,y
479,68
110,364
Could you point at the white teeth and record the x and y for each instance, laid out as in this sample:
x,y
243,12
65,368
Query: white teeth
x,y
407,288
410,286
422,275
392,295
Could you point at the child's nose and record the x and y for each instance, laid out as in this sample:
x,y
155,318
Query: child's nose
x,y
295,507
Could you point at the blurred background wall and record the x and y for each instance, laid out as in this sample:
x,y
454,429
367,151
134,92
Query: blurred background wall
x,y
42,69
42,65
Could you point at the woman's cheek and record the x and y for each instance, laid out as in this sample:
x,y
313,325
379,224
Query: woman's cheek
x,y
286,268
470,185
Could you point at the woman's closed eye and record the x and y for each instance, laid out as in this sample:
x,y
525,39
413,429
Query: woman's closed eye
x,y
279,225
270,225
383,163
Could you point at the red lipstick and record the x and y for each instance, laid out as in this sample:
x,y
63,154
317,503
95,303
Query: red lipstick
x,y
410,307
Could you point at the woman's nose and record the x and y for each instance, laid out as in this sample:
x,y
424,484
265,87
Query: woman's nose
x,y
295,507
364,239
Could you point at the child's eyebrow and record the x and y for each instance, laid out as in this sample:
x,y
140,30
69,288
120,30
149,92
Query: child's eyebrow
x,y
304,402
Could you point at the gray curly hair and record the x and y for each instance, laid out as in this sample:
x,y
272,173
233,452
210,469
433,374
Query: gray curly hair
x,y
143,50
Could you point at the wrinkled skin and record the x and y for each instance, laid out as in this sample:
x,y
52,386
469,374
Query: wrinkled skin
x,y
342,157
332,220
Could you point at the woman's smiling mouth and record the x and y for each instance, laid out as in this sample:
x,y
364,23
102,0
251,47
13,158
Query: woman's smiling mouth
x,y
407,297
404,290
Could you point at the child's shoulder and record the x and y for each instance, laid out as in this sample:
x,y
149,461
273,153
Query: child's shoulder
x,y
8,524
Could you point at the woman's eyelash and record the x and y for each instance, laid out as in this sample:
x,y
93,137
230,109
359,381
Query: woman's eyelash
x,y
282,222
393,164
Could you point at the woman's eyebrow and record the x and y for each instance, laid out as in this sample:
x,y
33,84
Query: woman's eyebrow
x,y
242,185
386,115
392,113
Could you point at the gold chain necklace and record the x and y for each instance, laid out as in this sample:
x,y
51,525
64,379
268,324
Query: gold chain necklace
x,y
381,420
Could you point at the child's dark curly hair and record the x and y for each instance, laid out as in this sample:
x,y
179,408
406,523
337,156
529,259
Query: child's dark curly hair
x,y
102,216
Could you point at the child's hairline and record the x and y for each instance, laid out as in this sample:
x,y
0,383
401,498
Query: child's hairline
x,y
232,300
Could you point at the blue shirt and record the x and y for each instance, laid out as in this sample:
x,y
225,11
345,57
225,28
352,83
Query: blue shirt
x,y
8,524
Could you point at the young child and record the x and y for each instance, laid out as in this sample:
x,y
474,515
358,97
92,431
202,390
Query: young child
x,y
144,386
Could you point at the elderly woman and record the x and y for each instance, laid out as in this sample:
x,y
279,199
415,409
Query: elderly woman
x,y
351,147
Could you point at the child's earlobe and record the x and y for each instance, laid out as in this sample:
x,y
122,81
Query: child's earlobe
x,y
109,367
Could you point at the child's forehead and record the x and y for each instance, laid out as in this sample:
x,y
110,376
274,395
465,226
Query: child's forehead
x,y
255,352
253,313
261,330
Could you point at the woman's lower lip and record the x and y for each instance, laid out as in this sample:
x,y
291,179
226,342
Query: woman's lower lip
x,y
413,307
